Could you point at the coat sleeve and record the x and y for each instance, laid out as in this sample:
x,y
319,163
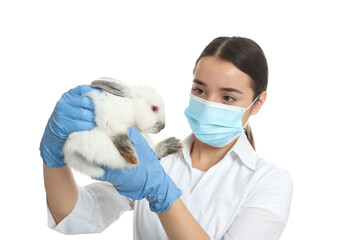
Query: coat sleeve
x,y
265,214
98,205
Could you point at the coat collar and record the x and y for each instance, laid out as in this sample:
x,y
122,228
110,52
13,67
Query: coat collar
x,y
245,152
242,150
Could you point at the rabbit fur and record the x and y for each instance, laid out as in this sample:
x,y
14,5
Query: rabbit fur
x,y
116,108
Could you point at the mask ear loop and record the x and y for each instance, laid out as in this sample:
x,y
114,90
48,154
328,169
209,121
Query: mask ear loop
x,y
248,108
253,102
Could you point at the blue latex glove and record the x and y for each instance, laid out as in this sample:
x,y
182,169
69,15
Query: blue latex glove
x,y
147,180
73,112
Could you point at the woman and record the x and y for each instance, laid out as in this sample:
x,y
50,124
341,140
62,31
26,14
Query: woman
x,y
227,190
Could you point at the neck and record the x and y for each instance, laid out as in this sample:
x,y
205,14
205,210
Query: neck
x,y
204,156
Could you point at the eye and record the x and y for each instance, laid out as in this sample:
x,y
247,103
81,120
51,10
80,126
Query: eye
x,y
155,108
198,91
229,99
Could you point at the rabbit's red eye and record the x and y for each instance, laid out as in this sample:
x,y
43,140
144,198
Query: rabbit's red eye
x,y
155,108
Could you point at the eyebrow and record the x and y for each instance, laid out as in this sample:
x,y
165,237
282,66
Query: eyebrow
x,y
199,82
231,90
222,89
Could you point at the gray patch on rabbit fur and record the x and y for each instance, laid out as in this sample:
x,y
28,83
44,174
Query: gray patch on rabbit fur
x,y
111,87
168,146
125,148
123,143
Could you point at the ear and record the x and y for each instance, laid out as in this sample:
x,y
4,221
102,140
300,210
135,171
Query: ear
x,y
112,86
259,103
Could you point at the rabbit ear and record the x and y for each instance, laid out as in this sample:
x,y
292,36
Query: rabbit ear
x,y
112,86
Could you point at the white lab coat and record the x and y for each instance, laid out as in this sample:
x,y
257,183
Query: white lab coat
x,y
241,197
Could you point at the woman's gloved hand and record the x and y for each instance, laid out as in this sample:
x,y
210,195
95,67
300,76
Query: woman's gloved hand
x,y
147,180
73,112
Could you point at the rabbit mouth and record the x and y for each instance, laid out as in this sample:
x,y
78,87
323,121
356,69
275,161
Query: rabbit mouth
x,y
158,127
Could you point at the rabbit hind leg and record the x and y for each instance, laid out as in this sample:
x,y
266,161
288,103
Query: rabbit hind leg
x,y
95,148
78,162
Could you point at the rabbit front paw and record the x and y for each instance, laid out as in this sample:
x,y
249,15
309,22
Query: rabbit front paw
x,y
125,148
168,146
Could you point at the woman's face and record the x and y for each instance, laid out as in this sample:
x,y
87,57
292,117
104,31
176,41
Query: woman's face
x,y
217,80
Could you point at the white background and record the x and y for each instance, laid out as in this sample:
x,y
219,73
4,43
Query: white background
x,y
309,124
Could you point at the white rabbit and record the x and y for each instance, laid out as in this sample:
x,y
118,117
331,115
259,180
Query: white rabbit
x,y
116,108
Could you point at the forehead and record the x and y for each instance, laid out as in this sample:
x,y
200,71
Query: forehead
x,y
216,72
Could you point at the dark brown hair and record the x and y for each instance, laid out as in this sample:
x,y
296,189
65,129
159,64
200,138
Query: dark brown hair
x,y
247,56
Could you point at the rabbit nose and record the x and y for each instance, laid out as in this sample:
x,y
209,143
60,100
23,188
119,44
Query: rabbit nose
x,y
160,125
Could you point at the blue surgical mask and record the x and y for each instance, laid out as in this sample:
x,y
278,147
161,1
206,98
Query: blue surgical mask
x,y
213,123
